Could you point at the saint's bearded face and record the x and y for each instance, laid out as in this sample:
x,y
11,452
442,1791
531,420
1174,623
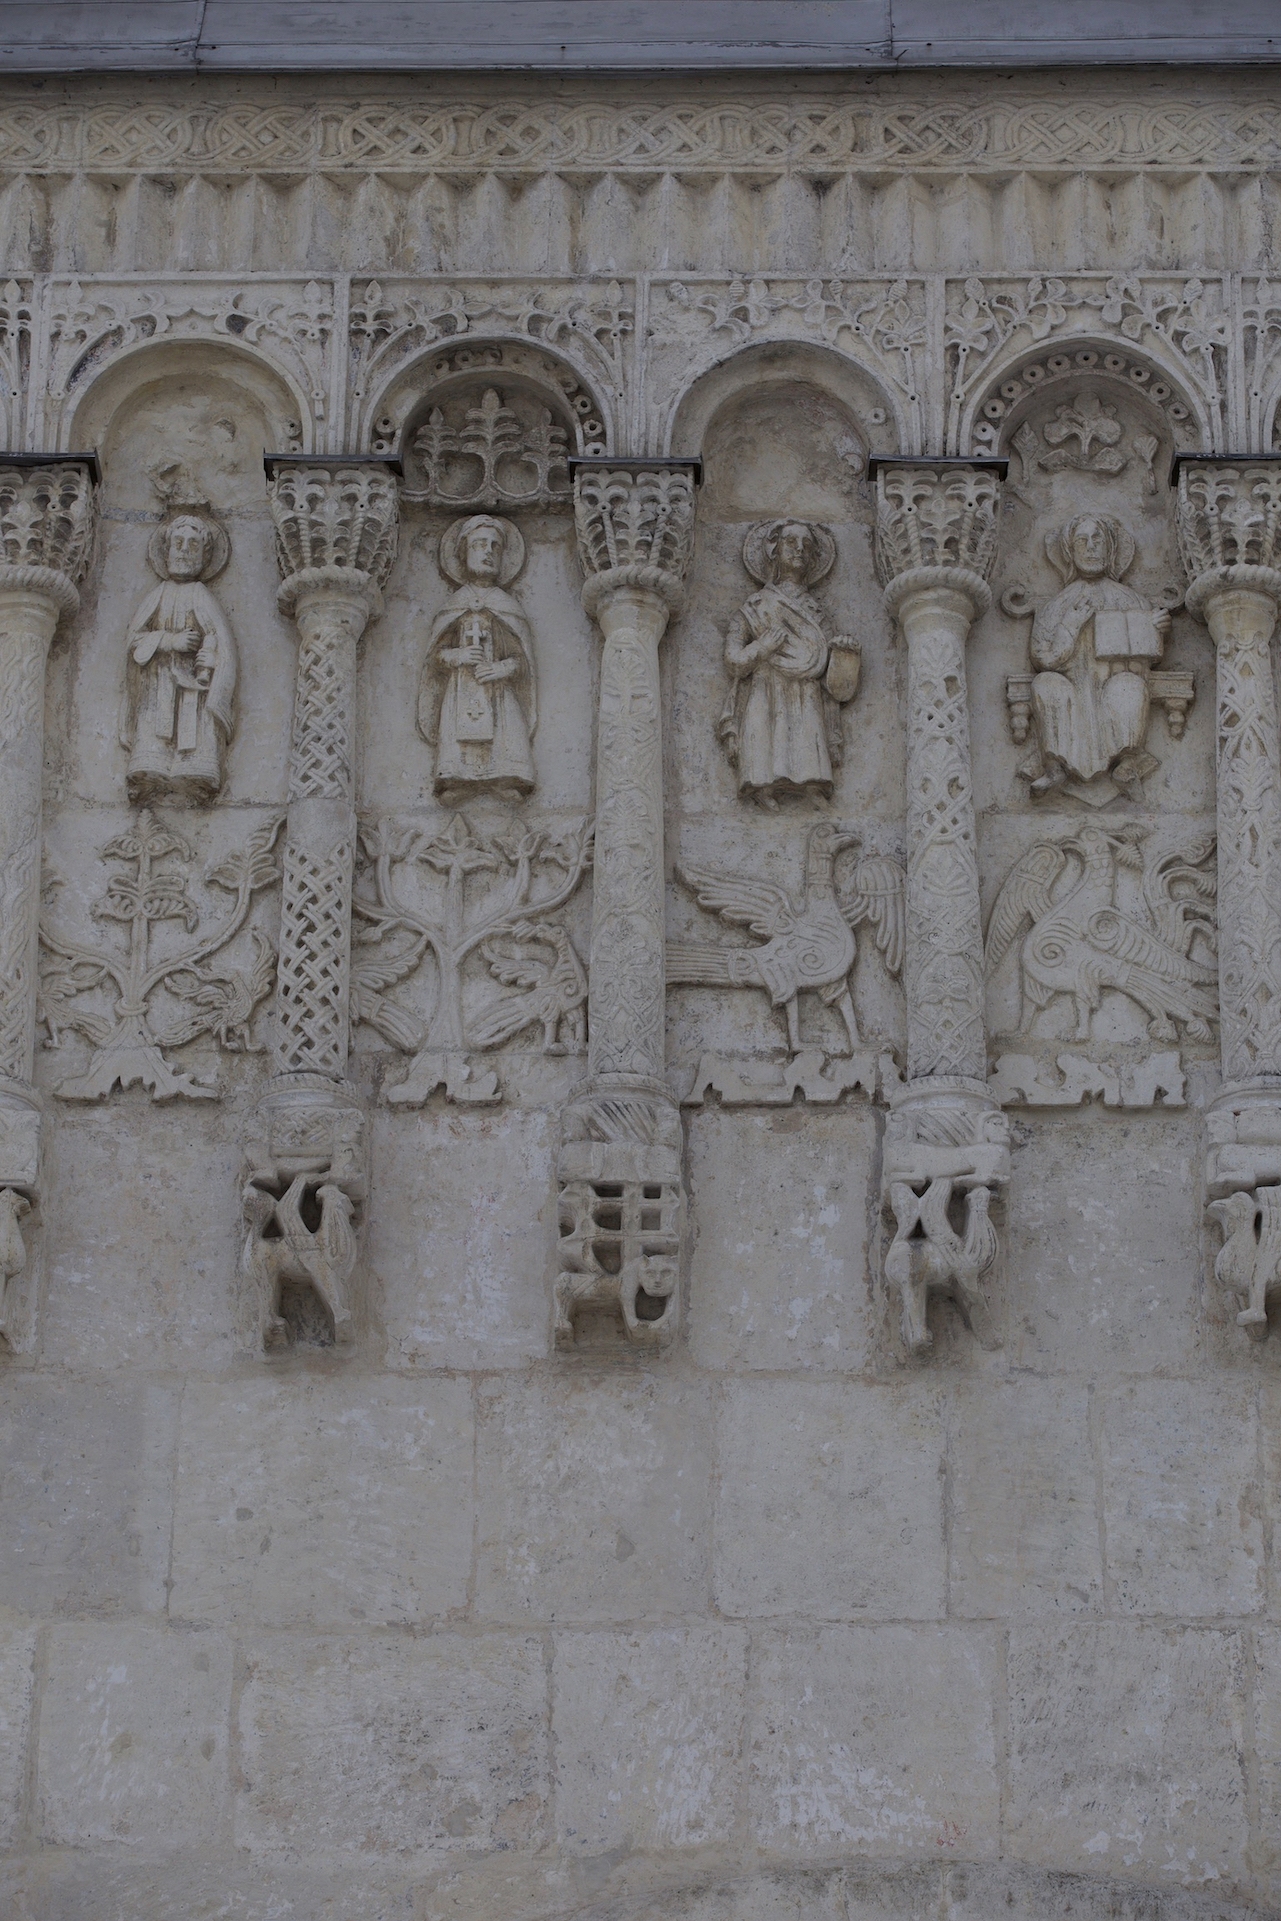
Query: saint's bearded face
x,y
1090,549
185,551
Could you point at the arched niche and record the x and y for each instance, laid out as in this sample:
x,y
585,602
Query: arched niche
x,y
783,429
1146,397
182,427
213,409
488,424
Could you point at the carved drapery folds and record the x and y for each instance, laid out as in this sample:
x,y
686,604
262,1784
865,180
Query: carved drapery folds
x,y
46,531
946,1142
619,1170
1230,537
336,530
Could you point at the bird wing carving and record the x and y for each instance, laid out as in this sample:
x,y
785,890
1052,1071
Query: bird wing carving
x,y
766,910
1026,896
878,896
1123,939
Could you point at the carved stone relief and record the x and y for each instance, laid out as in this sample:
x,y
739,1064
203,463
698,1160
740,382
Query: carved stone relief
x,y
781,724
478,700
478,903
1093,646
104,991
1095,915
178,710
492,453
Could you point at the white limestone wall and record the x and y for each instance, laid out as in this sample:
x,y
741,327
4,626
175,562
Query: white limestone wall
x,y
782,1624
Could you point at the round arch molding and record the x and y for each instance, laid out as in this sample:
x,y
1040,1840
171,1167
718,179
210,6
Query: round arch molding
x,y
778,363
1000,407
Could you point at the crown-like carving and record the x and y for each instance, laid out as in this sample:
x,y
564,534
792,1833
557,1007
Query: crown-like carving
x,y
330,518
935,517
635,528
1229,516
47,518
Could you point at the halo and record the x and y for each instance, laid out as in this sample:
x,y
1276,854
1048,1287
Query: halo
x,y
756,557
454,539
217,545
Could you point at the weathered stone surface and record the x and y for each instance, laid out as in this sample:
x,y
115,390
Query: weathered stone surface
x,y
1023,1533
648,1731
86,1494
392,1748
593,1498
323,1501
1182,1500
780,1195
17,1690
830,1500
134,1725
875,1740
1152,1784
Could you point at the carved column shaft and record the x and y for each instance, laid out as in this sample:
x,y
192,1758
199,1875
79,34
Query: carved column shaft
x,y
619,1165
945,1145
336,539
1230,536
46,529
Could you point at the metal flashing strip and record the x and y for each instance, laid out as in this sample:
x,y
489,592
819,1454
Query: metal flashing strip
x,y
89,460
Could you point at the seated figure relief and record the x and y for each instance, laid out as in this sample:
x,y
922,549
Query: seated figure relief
x,y
178,710
1093,647
477,703
789,675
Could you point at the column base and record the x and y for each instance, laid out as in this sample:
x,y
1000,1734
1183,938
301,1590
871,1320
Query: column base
x,y
306,1180
946,1155
1243,1182
621,1213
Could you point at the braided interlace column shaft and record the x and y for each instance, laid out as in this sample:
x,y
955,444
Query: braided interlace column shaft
x,y
1230,537
46,532
946,1145
336,531
619,1168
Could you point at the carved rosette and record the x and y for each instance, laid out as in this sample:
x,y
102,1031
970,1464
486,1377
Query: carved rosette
x,y
336,530
46,533
1230,538
619,1165
935,543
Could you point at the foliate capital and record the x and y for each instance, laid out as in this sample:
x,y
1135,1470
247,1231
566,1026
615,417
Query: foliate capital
x,y
46,529
937,523
335,526
1230,529
635,529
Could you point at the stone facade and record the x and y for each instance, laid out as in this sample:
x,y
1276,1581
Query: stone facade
x,y
640,1000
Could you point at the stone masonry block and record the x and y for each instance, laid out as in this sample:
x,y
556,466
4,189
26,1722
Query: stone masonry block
x,y
1182,1500
1102,1274
593,1497
876,1739
392,1748
831,1500
323,1501
648,1731
1127,1750
133,1736
1267,1740
780,1211
1024,1535
85,1494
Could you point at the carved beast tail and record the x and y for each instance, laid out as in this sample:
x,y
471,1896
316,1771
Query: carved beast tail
x,y
698,964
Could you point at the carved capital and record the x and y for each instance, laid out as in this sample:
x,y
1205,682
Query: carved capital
x,y
46,530
635,532
1230,530
936,532
336,531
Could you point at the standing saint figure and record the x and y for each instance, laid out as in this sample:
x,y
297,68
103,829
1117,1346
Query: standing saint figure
x,y
1093,645
477,703
178,710
781,722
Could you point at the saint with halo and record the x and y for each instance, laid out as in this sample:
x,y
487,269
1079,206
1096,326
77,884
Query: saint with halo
x,y
477,704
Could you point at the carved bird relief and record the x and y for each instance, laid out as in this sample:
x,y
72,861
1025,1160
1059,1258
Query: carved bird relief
x,y
808,943
1082,944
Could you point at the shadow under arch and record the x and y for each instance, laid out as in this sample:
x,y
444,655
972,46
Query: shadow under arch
x,y
856,389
